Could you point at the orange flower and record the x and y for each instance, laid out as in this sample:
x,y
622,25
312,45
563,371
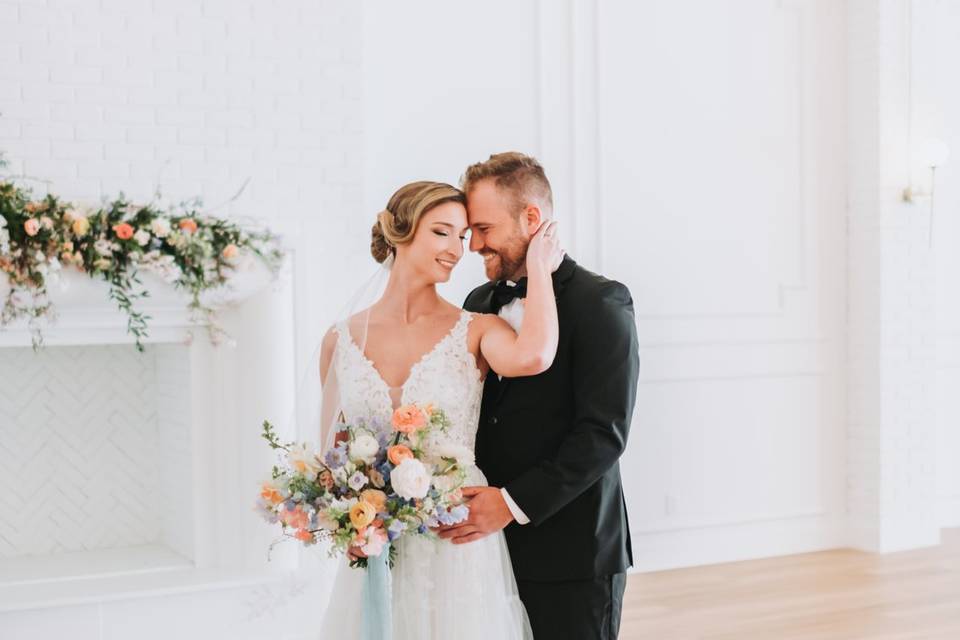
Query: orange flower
x,y
398,453
189,225
270,493
304,535
408,419
376,498
229,251
362,513
123,230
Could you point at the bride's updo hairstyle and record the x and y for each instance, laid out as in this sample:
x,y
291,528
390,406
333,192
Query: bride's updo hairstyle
x,y
397,224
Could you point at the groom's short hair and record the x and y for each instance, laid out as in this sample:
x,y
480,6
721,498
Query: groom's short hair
x,y
519,174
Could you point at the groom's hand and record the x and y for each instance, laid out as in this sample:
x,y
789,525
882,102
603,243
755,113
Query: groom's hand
x,y
489,513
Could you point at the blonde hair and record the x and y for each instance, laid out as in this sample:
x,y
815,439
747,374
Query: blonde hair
x,y
520,175
397,224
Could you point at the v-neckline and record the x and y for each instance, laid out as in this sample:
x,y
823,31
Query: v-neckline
x,y
413,366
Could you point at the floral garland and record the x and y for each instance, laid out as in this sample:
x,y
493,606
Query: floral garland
x,y
114,242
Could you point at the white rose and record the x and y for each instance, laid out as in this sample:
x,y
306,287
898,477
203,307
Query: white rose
x,y
446,483
463,455
160,227
103,247
142,237
364,447
410,479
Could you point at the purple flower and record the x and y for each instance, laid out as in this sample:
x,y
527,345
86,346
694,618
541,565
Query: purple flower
x,y
336,457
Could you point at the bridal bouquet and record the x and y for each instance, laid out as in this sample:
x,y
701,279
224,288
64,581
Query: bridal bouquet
x,y
367,491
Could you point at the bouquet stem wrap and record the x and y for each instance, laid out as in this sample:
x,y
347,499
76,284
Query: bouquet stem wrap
x,y
375,618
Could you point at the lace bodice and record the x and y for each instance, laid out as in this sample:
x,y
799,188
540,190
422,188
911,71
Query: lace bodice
x,y
446,376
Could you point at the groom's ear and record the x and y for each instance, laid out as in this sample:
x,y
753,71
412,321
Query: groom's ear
x,y
533,217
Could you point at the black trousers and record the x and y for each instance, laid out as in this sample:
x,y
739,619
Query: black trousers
x,y
574,610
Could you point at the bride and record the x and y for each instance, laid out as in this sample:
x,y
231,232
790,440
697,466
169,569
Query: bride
x,y
412,346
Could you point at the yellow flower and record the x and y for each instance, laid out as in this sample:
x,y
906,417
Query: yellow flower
x,y
362,514
80,226
376,498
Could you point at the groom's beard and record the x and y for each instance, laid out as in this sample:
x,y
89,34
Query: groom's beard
x,y
510,261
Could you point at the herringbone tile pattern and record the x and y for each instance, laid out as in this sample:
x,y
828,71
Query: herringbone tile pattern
x,y
80,449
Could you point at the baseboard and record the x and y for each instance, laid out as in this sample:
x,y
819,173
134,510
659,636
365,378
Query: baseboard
x,y
658,551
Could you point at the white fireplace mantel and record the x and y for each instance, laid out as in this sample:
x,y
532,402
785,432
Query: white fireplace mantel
x,y
163,445
85,315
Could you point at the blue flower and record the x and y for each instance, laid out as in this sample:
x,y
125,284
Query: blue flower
x,y
395,529
336,457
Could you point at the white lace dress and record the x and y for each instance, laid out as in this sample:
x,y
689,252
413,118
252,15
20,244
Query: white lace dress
x,y
439,590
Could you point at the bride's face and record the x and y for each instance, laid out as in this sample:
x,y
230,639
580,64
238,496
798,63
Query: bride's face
x,y
437,245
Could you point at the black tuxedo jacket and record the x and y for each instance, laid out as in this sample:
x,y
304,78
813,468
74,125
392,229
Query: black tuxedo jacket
x,y
554,440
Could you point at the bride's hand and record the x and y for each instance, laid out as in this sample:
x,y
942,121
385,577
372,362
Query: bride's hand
x,y
544,254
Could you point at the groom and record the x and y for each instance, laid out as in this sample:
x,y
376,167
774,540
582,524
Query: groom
x,y
550,444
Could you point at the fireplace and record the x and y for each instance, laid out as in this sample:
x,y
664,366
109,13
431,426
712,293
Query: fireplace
x,y
128,474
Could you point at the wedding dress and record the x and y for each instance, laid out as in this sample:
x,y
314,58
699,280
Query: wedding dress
x,y
439,590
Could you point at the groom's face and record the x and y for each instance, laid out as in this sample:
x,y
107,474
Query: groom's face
x,y
496,233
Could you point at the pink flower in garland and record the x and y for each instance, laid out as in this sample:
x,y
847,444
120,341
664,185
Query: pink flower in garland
x,y
32,226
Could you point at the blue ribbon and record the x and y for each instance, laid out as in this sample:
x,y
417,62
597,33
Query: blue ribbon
x,y
375,617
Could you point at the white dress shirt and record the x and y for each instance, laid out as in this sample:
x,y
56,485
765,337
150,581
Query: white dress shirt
x,y
513,314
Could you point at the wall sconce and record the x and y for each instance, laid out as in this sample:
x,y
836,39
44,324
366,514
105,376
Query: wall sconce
x,y
934,153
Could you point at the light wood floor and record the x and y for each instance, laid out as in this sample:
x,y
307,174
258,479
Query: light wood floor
x,y
835,595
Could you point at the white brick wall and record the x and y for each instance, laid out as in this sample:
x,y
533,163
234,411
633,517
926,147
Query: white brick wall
x,y
193,96
891,323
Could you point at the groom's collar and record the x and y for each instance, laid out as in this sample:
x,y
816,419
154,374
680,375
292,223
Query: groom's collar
x,y
563,273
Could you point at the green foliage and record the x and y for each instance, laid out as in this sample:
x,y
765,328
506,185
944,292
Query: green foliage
x,y
114,242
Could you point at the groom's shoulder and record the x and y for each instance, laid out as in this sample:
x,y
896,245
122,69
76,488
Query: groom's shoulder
x,y
593,287
477,295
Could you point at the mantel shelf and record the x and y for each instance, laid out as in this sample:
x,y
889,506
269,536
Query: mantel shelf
x,y
85,314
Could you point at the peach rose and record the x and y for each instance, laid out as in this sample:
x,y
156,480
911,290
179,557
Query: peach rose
x,y
230,251
296,518
362,513
408,419
398,453
31,226
189,225
376,498
123,230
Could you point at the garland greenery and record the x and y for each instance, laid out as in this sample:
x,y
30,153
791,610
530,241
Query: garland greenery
x,y
115,242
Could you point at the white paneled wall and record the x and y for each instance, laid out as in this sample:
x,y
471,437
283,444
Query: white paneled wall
x,y
722,207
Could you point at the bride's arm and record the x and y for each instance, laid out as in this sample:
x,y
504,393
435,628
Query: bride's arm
x,y
531,351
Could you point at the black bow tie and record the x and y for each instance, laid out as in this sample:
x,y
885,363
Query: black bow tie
x,y
504,294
